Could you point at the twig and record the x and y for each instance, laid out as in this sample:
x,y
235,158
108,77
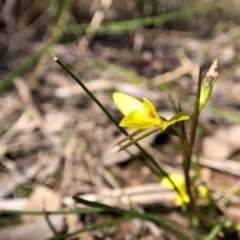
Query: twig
x,y
93,26
185,69
46,216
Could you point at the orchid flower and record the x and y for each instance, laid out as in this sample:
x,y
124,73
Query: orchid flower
x,y
142,116
182,197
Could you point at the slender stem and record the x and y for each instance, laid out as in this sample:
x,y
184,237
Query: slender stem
x,y
187,152
76,211
183,140
94,227
214,232
195,114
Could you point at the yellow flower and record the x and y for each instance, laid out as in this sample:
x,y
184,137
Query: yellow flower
x,y
142,115
179,182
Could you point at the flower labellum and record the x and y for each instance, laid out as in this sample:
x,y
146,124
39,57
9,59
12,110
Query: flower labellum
x,y
140,115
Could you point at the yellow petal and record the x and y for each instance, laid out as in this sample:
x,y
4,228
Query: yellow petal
x,y
180,200
150,111
126,103
203,191
179,181
178,117
137,120
176,178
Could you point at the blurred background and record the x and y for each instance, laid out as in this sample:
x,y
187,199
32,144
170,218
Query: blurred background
x,y
55,142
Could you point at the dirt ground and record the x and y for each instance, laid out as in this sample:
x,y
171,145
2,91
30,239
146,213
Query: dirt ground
x,y
55,142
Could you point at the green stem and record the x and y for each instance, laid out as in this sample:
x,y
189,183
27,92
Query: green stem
x,y
213,233
94,227
187,148
188,156
127,25
159,220
77,211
